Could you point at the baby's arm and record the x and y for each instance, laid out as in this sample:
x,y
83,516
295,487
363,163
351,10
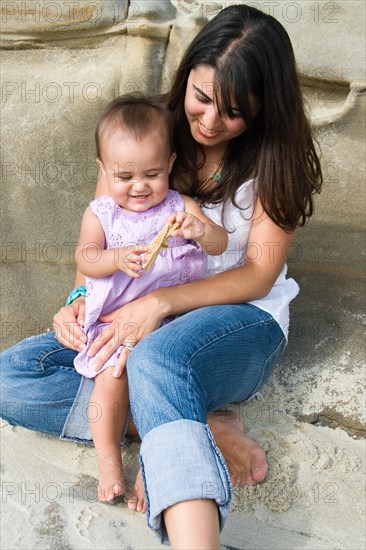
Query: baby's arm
x,y
195,225
95,261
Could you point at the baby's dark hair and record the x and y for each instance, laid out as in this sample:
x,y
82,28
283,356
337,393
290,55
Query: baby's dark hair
x,y
138,114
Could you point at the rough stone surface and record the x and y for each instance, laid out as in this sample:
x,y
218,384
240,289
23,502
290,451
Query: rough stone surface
x,y
341,136
145,73
162,10
48,161
328,37
29,20
31,300
179,40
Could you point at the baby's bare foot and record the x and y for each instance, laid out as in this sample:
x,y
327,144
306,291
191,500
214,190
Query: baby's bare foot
x,y
245,459
111,482
137,500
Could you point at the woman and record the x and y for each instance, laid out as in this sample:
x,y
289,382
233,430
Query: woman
x,y
245,151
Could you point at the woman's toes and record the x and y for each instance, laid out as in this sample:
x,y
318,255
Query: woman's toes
x,y
259,473
249,482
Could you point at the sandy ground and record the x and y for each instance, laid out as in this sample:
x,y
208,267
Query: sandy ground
x,y
313,496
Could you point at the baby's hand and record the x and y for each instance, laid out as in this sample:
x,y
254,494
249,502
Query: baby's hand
x,y
129,259
191,227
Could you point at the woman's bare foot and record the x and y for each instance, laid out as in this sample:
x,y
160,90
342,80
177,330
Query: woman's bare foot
x,y
137,500
245,459
111,483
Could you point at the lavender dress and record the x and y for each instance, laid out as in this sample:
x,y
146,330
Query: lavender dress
x,y
182,262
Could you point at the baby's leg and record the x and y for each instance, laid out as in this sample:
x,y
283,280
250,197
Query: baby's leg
x,y
110,396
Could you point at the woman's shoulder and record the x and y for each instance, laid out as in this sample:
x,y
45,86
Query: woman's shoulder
x,y
245,192
248,185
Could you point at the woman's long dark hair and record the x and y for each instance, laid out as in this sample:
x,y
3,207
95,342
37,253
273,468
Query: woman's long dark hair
x,y
251,52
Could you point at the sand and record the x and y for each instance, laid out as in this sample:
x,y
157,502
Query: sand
x,y
313,496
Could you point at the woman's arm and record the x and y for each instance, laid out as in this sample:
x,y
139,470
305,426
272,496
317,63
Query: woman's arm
x,y
267,252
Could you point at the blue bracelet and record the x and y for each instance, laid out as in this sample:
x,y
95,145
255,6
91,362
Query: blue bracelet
x,y
75,293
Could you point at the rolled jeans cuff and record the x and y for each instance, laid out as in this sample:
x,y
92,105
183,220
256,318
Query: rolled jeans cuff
x,y
181,461
77,424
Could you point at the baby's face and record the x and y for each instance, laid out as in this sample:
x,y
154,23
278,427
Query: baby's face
x,y
137,171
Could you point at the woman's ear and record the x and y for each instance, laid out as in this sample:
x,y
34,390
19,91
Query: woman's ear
x,y
101,165
173,156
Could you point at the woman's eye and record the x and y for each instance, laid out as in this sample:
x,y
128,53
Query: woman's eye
x,y
233,113
202,99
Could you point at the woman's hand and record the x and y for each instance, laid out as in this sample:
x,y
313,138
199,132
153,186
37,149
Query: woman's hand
x,y
128,325
68,325
191,226
211,237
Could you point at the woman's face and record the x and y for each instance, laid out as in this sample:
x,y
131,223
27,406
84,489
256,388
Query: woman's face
x,y
207,127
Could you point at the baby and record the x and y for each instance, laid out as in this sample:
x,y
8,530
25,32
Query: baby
x,y
135,151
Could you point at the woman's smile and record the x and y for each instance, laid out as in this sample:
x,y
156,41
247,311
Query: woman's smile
x,y
205,131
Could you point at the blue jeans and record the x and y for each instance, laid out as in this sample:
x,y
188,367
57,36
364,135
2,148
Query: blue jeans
x,y
41,390
199,362
38,384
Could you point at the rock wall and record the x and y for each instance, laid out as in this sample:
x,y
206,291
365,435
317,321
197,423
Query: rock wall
x,y
62,61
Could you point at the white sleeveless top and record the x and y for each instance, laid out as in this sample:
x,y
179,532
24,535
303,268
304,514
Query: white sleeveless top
x,y
238,222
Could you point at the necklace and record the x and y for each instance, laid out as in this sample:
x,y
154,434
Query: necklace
x,y
215,176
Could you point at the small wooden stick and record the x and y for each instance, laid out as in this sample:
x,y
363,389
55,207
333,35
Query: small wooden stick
x,y
160,242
